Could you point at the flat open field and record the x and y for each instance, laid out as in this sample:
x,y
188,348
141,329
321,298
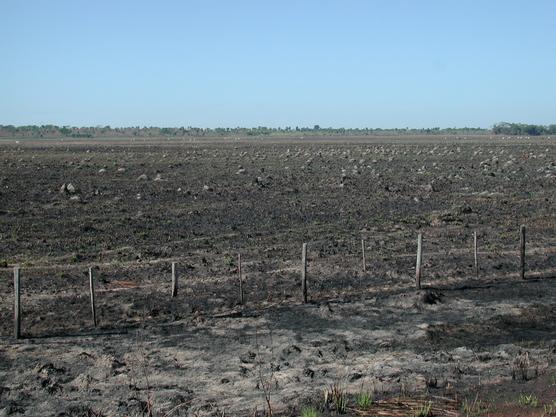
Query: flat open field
x,y
134,207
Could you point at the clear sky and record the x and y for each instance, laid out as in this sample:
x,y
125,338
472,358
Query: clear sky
x,y
343,63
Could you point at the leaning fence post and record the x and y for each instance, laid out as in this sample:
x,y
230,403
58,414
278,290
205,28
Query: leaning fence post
x,y
174,280
363,253
17,304
92,293
522,251
304,272
419,259
240,278
475,254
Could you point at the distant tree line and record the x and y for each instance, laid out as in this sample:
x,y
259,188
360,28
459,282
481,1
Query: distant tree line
x,y
52,131
522,129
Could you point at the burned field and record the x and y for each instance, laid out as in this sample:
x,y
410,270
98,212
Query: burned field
x,y
135,207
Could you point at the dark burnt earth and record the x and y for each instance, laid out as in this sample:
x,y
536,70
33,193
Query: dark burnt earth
x,y
135,206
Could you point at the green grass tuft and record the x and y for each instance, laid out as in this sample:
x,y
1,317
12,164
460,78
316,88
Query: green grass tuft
x,y
528,400
309,412
364,400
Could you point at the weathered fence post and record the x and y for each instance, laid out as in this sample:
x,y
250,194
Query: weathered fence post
x,y
363,253
475,254
419,259
174,280
17,304
92,294
304,272
522,251
240,278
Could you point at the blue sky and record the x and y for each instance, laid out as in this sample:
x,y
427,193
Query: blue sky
x,y
230,63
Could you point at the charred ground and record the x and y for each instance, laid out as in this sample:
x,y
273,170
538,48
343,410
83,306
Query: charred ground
x,y
136,206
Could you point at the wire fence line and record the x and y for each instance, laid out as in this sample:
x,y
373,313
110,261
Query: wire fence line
x,y
361,270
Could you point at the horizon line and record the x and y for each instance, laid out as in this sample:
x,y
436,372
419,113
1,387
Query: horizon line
x,y
280,127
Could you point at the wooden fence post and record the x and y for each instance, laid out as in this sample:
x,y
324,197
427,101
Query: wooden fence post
x,y
92,294
240,278
17,304
419,259
363,253
522,251
304,272
174,280
475,254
